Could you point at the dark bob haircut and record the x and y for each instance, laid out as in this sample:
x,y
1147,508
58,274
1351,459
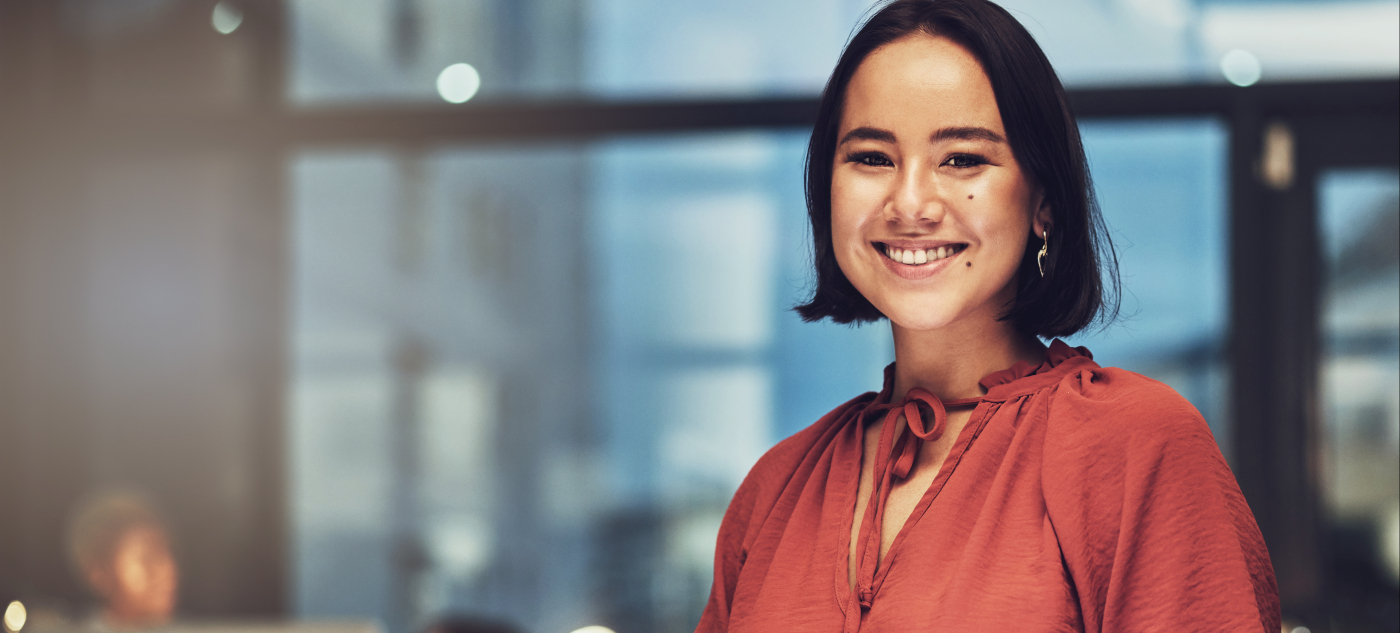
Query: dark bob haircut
x,y
1043,136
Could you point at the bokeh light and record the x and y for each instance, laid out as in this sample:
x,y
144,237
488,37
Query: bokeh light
x,y
458,83
15,616
1241,68
226,18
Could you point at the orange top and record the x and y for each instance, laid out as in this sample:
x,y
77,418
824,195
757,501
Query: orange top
x,y
1077,498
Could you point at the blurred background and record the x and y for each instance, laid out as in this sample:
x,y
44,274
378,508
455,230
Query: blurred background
x,y
402,310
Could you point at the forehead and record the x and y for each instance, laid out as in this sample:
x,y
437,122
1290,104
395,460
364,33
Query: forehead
x,y
920,83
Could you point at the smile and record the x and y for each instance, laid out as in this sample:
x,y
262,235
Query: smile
x,y
918,256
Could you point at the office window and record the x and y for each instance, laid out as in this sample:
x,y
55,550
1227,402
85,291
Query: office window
x,y
1360,434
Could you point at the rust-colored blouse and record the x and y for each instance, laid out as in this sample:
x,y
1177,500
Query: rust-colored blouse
x,y
1076,498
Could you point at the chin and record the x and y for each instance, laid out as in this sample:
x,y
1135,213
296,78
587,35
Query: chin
x,y
920,316
952,307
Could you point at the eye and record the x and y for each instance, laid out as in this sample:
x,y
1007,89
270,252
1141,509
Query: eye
x,y
869,159
964,161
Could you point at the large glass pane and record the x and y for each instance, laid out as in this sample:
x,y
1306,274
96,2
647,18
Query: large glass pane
x,y
440,452
725,46
346,51
1162,189
393,51
1360,439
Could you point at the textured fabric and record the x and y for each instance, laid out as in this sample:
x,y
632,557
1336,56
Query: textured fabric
x,y
1076,498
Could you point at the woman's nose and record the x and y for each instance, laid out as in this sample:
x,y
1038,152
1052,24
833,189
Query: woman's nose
x,y
916,199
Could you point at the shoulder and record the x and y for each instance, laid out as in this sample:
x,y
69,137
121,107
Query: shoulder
x,y
1146,512
1114,387
1113,436
778,465
1108,405
777,468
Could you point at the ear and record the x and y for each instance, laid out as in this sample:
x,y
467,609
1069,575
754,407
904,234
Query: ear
x,y
1042,220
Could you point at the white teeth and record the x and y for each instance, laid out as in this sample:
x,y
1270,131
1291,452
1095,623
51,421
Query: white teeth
x,y
913,257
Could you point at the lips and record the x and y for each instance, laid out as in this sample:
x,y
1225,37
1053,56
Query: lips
x,y
925,258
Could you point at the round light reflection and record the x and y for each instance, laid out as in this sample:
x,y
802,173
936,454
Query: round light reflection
x,y
226,18
1241,68
15,616
593,629
458,83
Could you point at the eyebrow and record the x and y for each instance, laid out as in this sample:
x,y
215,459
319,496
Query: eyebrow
x,y
969,133
867,134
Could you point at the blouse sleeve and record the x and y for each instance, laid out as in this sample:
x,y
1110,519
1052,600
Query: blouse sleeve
x,y
1154,530
729,559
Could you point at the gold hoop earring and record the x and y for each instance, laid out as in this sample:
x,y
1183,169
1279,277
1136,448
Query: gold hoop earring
x,y
1044,249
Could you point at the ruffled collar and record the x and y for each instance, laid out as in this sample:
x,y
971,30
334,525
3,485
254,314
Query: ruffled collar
x,y
1021,378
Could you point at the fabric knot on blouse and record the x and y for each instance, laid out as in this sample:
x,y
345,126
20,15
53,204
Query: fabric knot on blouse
x,y
893,462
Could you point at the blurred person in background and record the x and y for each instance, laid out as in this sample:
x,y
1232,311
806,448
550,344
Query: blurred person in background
x,y
995,483
120,549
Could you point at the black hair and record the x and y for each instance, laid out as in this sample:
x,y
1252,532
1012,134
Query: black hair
x,y
1044,137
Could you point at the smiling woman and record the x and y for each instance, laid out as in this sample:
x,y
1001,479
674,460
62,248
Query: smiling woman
x,y
995,483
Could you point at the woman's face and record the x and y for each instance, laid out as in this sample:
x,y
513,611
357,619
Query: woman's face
x,y
930,212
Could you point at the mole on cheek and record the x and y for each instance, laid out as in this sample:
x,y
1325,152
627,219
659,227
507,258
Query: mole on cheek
x,y
969,264
969,196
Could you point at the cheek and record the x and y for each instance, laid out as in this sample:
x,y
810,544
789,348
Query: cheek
x,y
846,218
856,189
1003,233
1005,220
843,231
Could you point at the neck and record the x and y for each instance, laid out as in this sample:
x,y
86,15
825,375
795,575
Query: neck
x,y
949,362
